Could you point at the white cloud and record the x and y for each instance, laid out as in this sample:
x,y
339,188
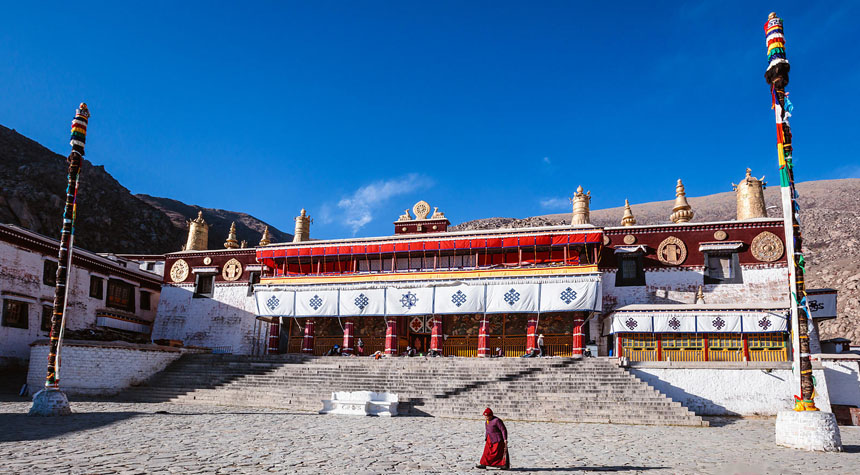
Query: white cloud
x,y
555,203
547,160
359,207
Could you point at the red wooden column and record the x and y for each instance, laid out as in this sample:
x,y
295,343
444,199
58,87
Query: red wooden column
x,y
391,336
436,335
274,337
308,340
531,333
620,352
706,349
659,348
483,337
348,337
578,340
746,347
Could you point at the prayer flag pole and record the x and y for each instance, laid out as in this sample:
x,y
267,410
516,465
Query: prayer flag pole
x,y
51,401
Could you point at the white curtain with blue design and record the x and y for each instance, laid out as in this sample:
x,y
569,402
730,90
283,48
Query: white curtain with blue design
x,y
514,298
275,303
409,301
459,299
316,303
356,303
568,297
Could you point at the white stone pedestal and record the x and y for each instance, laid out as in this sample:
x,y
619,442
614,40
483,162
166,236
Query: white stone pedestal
x,y
808,430
50,402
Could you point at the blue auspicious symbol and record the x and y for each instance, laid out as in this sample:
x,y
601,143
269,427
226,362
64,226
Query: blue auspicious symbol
x,y
273,303
512,297
631,323
719,323
361,301
764,323
458,298
409,300
315,302
568,295
675,323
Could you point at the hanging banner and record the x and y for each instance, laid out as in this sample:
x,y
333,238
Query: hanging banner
x,y
629,322
355,303
514,298
459,299
822,302
565,297
718,323
675,323
274,303
415,301
316,303
765,322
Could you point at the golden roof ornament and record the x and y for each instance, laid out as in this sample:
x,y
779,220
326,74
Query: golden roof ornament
x,y
198,234
580,203
700,295
628,219
265,241
405,216
437,214
682,212
232,242
750,197
303,227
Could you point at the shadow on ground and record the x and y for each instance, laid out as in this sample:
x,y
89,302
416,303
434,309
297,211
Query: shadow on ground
x,y
21,427
608,468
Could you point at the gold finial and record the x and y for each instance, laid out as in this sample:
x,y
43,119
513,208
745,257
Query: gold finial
x,y
771,16
303,227
628,219
232,242
265,241
700,295
198,234
750,197
580,203
682,212
243,244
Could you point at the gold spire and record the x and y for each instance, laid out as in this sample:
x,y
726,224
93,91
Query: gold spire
x,y
682,212
628,219
232,242
303,227
750,197
198,234
700,296
580,203
265,241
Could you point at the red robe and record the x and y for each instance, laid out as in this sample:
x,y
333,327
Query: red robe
x,y
495,451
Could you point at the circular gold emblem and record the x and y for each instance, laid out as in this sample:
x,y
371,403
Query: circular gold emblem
x,y
207,260
232,270
629,239
672,251
720,235
179,271
767,247
606,240
421,209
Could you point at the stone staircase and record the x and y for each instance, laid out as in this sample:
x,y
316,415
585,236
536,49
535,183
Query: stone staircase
x,y
534,389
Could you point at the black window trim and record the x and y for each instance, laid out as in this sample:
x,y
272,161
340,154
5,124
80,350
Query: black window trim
x,y
211,292
639,279
738,277
26,304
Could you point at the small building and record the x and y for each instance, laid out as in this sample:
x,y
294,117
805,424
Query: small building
x,y
105,292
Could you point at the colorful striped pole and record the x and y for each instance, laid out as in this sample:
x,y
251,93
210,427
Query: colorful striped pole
x,y
51,401
776,76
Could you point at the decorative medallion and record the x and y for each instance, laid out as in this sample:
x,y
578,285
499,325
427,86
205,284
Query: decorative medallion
x,y
207,260
672,251
606,240
409,300
764,323
273,302
416,324
403,228
361,301
315,302
674,323
568,295
629,239
720,235
232,270
459,298
421,209
512,297
718,323
631,323
767,247
179,271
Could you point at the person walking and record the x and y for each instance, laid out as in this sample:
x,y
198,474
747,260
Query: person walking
x,y
496,444
360,346
541,346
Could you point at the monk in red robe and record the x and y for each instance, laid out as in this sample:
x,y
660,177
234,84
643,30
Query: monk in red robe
x,y
496,446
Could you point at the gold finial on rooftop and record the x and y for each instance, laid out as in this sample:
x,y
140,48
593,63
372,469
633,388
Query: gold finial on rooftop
x,y
580,203
700,295
682,212
303,227
750,197
265,241
232,242
198,234
628,219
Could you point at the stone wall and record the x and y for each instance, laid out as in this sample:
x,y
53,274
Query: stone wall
x,y
730,389
99,368
843,379
227,321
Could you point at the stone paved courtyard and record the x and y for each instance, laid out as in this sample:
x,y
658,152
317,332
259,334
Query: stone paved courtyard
x,y
110,437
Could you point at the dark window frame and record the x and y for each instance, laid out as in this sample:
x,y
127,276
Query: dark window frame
x,y
737,274
145,296
253,279
622,280
49,272
120,294
8,305
197,280
47,316
100,288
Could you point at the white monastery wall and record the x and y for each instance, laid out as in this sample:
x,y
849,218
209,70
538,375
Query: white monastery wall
x,y
99,368
843,381
738,391
224,321
21,279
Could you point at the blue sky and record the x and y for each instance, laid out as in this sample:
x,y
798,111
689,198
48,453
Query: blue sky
x,y
355,110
